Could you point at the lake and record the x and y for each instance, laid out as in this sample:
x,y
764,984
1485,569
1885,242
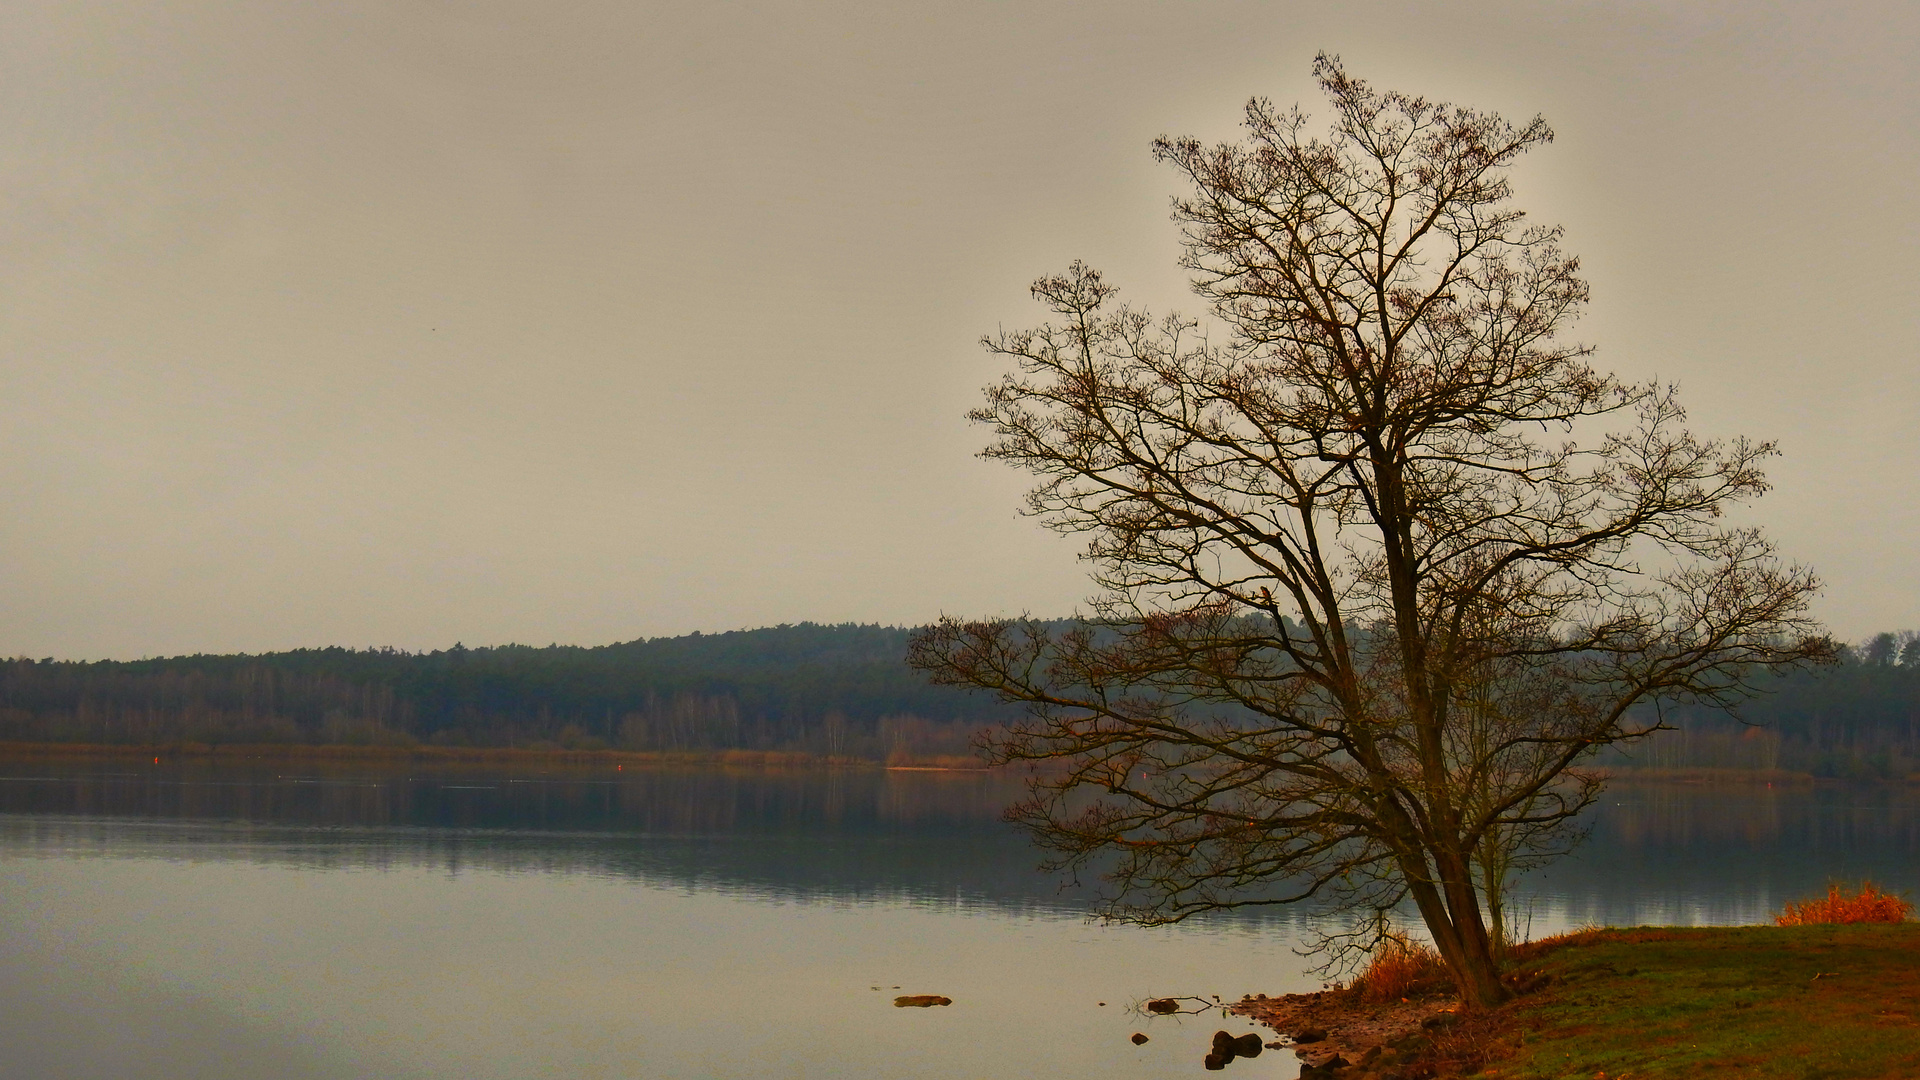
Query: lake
x,y
234,920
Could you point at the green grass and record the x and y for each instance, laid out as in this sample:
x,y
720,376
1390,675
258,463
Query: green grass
x,y
1723,1002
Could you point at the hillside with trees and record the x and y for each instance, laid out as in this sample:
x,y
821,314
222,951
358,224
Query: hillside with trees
x,y
828,690
1859,718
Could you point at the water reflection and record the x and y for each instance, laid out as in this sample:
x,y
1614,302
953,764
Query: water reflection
x,y
1657,853
841,834
1701,854
226,920
675,925
650,801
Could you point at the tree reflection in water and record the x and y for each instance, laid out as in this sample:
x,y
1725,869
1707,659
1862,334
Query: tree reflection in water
x,y
1657,853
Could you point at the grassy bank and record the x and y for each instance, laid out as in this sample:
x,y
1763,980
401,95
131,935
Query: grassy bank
x,y
1807,1002
1800,1002
462,755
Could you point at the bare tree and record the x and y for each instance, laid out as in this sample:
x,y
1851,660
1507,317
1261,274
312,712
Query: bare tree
x,y
1382,564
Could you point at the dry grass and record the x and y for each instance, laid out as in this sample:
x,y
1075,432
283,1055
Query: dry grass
x,y
1400,968
1869,905
1529,951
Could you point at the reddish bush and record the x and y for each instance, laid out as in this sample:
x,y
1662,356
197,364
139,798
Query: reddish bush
x,y
1400,968
1869,905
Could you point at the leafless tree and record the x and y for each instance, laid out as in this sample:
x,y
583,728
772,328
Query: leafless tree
x,y
1383,559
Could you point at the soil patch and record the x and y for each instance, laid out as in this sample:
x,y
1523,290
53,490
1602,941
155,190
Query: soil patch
x,y
1336,1023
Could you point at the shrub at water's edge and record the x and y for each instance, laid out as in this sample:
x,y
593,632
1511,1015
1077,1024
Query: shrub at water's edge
x,y
1401,968
1869,905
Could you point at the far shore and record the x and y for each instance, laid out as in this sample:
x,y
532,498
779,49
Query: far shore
x,y
479,755
560,757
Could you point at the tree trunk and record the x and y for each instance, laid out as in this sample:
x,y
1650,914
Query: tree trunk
x,y
1493,886
1452,914
1476,971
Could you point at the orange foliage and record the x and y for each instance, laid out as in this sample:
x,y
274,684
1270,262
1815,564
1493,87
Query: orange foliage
x,y
1399,968
1869,905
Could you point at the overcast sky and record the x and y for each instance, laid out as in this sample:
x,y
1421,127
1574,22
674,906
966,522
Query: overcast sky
x,y
402,323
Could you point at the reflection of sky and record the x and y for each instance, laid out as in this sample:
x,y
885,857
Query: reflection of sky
x,y
215,960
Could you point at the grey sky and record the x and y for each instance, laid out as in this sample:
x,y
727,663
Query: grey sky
x,y
401,323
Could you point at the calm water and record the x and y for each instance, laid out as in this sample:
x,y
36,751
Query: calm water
x,y
232,922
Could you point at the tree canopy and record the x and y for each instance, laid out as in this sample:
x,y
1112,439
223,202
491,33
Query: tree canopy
x,y
1384,557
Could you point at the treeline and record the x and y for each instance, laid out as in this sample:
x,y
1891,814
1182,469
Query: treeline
x,y
830,690
1859,718
839,691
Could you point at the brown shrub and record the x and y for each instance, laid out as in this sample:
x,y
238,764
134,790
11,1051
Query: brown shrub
x,y
1869,905
1400,968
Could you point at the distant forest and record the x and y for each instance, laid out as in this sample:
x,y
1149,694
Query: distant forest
x,y
840,691
1859,718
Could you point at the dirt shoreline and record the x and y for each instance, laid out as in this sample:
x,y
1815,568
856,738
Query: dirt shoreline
x,y
1337,1025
